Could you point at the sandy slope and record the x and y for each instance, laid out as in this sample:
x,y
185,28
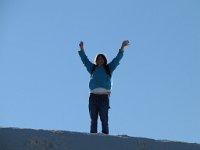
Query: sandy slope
x,y
29,139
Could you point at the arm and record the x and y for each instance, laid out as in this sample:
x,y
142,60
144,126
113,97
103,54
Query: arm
x,y
115,62
85,60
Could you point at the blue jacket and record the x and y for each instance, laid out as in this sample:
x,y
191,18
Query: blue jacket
x,y
99,78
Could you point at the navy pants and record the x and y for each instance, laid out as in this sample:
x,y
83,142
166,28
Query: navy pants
x,y
99,106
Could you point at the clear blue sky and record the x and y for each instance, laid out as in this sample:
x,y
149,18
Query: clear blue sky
x,y
156,88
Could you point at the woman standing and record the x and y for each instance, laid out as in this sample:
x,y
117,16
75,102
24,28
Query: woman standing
x,y
100,85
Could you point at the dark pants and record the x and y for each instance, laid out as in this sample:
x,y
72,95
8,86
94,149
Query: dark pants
x,y
99,105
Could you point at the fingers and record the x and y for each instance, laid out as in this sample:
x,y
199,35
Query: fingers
x,y
125,43
128,42
81,43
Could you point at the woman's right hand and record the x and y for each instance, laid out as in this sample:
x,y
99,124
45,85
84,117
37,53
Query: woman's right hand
x,y
81,45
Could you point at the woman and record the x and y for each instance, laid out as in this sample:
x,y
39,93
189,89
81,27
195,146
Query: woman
x,y
100,85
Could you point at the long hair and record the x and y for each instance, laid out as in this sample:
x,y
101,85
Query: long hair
x,y
106,66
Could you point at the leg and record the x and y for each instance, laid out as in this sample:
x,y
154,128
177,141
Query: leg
x,y
93,110
103,112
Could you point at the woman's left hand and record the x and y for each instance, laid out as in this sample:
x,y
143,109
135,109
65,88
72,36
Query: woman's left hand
x,y
124,43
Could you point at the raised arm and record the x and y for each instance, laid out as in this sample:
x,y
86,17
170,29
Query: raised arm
x,y
89,65
115,62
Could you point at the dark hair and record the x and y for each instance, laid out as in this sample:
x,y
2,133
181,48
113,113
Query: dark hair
x,y
106,66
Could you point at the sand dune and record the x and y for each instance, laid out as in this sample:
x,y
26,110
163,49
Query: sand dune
x,y
30,139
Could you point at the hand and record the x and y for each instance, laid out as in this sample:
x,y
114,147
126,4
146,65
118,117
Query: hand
x,y
124,43
81,45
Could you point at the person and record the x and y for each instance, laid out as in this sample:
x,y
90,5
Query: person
x,y
100,85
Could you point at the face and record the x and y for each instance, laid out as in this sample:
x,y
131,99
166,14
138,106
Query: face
x,y
100,60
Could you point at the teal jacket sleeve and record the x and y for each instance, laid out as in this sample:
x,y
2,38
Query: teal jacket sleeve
x,y
115,62
89,65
